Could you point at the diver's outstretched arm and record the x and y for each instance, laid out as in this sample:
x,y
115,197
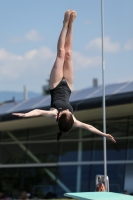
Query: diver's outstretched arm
x,y
92,129
37,112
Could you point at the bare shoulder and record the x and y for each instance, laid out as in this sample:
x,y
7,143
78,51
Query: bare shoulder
x,y
76,122
74,118
54,112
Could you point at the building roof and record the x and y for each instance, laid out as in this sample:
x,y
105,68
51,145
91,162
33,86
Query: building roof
x,y
90,96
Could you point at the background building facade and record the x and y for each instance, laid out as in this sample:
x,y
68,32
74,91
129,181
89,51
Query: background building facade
x,y
31,159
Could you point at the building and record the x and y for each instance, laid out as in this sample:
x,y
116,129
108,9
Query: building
x,y
31,159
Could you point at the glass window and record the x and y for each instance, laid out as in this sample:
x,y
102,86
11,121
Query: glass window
x,y
12,153
130,149
117,127
13,149
93,150
87,134
43,152
116,151
72,134
130,141
97,153
15,136
68,151
43,182
85,177
87,150
43,133
68,176
10,181
128,182
36,181
116,174
40,182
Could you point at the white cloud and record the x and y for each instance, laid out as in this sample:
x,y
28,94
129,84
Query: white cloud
x,y
31,54
129,45
4,56
32,35
33,68
96,45
87,22
15,66
81,61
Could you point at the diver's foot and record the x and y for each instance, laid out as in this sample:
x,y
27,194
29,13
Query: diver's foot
x,y
67,17
72,16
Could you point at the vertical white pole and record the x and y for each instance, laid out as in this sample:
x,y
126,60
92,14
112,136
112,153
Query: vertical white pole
x,y
103,69
78,189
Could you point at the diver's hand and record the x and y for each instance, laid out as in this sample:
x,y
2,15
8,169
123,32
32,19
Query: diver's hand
x,y
19,114
110,137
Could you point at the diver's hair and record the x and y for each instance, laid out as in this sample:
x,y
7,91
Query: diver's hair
x,y
65,123
59,134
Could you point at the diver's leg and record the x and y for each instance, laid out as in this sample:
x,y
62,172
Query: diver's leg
x,y
68,64
57,70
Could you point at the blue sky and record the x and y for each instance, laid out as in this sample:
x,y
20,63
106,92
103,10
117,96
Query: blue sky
x,y
29,34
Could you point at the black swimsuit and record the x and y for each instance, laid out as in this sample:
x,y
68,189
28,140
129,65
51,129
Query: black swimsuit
x,y
60,96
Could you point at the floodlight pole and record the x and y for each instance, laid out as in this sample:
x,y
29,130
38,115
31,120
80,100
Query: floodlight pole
x,y
103,84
